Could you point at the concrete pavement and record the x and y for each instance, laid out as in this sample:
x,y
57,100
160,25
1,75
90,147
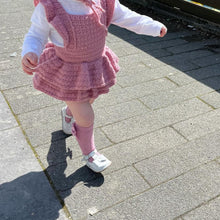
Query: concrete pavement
x,y
159,126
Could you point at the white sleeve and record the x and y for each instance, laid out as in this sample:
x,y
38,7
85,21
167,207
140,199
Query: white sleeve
x,y
37,36
140,24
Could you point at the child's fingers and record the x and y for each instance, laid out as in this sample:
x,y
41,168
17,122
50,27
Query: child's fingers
x,y
163,31
32,59
29,62
27,69
27,66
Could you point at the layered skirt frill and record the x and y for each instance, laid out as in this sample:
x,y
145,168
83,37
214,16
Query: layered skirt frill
x,y
70,81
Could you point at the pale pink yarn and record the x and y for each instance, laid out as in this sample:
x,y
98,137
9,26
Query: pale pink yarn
x,y
85,138
85,67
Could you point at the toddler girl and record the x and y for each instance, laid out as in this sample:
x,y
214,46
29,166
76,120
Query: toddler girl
x,y
76,66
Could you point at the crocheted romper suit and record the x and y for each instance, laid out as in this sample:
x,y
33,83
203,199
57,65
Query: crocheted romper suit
x,y
84,68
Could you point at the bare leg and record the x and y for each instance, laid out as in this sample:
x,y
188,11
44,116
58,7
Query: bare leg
x,y
69,113
82,112
83,127
83,130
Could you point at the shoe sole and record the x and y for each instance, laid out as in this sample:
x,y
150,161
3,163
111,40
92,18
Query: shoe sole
x,y
99,171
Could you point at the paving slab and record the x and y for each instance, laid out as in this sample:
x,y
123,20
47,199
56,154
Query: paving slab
x,y
206,72
112,114
212,82
209,211
122,154
142,58
213,99
7,62
183,62
152,121
110,189
133,127
142,74
207,61
178,160
12,34
25,191
7,20
159,125
182,111
190,46
7,120
200,125
26,99
40,115
180,34
177,95
50,152
181,78
8,82
152,86
162,44
43,133
172,198
11,46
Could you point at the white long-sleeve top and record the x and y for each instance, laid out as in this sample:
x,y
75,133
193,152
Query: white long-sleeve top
x,y
41,29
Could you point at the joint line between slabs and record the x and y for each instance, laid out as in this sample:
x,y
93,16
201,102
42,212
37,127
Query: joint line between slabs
x,y
200,205
66,211
133,196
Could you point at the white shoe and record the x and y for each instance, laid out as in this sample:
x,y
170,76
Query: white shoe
x,y
67,127
99,163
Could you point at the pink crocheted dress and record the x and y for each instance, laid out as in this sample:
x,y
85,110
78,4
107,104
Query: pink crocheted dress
x,y
85,67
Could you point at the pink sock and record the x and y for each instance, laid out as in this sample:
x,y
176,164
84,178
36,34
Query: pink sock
x,y
85,138
68,112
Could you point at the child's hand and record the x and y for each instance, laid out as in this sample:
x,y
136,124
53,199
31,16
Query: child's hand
x,y
29,62
163,31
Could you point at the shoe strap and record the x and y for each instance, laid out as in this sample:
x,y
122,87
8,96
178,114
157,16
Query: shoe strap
x,y
68,116
92,154
65,114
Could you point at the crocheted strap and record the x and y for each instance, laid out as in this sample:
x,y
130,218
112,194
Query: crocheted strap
x,y
55,12
110,5
93,5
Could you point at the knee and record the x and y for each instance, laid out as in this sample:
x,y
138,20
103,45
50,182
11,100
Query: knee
x,y
87,121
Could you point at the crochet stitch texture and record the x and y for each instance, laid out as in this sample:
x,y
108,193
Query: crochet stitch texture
x,y
85,67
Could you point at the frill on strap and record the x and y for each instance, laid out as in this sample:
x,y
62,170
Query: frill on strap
x,y
55,20
92,4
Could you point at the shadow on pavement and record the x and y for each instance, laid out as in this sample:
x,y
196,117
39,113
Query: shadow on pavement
x,y
30,196
194,53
